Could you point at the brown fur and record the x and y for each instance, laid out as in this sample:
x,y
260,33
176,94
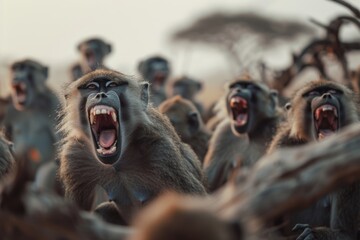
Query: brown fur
x,y
337,213
153,158
191,131
296,130
228,149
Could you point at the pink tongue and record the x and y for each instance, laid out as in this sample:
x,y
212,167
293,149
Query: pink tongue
x,y
241,119
107,138
325,133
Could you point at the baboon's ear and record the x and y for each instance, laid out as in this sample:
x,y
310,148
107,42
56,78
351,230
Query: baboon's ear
x,y
108,48
144,94
287,106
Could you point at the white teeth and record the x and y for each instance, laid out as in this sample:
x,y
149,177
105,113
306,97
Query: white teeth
x,y
92,118
329,108
102,109
105,151
113,115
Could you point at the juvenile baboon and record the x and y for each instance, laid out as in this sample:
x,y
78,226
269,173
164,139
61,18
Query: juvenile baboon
x,y
177,218
242,138
318,110
93,52
156,71
188,88
187,122
116,140
31,116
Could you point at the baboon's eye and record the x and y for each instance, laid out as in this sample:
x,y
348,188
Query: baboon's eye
x,y
92,85
253,87
111,84
333,91
313,93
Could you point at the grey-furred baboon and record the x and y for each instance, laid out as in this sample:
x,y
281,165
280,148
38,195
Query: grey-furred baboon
x,y
31,114
318,110
187,122
93,52
115,139
156,71
243,137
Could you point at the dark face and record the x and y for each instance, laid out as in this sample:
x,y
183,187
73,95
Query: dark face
x,y
326,110
158,72
24,81
94,53
186,89
101,108
248,105
185,120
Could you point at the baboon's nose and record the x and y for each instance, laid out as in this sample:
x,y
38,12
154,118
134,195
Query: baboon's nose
x,y
100,95
327,96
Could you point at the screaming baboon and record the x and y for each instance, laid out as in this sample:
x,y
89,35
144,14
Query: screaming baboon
x,y
31,117
115,139
187,122
93,52
187,88
242,138
319,110
156,71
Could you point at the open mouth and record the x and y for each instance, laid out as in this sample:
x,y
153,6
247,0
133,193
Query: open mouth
x,y
239,109
20,92
104,126
326,120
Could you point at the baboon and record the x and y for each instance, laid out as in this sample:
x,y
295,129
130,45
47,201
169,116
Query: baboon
x,y
187,122
178,218
93,52
187,88
318,110
117,140
156,71
31,116
242,138
6,156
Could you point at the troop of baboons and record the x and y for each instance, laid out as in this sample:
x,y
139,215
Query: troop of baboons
x,y
114,156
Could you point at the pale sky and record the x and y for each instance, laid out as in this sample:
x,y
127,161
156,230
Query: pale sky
x,y
49,30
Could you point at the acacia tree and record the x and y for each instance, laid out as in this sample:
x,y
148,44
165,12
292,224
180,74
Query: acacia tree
x,y
242,36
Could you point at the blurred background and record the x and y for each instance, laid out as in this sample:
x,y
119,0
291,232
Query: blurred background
x,y
211,40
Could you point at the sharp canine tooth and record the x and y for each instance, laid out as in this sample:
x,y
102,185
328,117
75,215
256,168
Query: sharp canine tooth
x,y
113,115
92,118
